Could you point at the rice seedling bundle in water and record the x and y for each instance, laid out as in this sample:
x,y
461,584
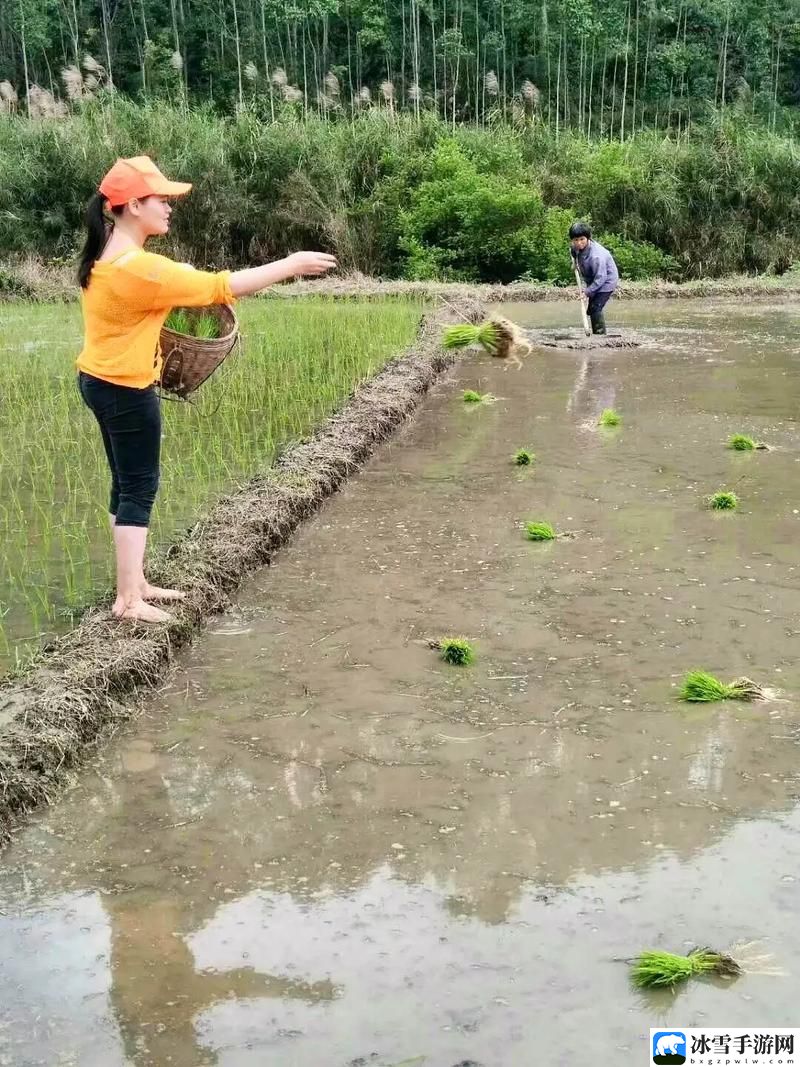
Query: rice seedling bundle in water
x,y
609,418
654,969
471,397
539,531
699,687
723,501
455,650
740,442
523,458
464,334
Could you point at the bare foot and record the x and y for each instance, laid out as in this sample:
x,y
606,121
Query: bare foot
x,y
138,611
153,592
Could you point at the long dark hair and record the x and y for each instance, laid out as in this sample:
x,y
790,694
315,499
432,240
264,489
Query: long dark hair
x,y
97,227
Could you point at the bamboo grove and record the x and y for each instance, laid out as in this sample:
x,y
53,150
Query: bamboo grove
x,y
602,67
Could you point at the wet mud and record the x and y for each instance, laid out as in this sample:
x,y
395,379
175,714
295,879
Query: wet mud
x,y
577,339
320,845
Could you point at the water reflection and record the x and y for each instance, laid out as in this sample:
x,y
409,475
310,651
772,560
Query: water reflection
x,y
321,845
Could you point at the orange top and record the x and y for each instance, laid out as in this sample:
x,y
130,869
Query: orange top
x,y
125,305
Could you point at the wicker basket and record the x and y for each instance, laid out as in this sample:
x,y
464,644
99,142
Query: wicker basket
x,y
189,361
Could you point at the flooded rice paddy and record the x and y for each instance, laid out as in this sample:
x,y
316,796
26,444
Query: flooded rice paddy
x,y
320,845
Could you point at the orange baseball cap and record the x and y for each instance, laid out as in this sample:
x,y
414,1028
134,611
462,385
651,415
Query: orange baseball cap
x,y
136,178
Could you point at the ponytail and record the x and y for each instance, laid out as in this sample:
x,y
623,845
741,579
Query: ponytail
x,y
96,237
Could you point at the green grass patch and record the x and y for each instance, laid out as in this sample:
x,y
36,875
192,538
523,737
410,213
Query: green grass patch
x,y
723,501
301,360
609,418
540,531
699,687
654,969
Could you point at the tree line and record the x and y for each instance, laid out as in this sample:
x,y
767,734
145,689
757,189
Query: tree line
x,y
606,68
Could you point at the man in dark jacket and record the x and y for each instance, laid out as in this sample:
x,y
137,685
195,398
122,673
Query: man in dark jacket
x,y
598,270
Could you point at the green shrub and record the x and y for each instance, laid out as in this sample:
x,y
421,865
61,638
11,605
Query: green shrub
x,y
638,260
465,225
395,196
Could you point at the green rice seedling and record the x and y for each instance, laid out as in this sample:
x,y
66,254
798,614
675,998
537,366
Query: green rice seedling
x,y
609,418
655,969
464,334
723,501
179,322
302,364
740,442
699,687
523,458
539,531
471,397
455,650
206,328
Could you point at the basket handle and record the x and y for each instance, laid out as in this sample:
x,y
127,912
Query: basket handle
x,y
174,351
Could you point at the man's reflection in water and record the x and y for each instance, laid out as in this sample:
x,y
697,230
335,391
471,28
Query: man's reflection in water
x,y
594,389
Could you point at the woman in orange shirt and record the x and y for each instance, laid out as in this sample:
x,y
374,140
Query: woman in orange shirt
x,y
127,294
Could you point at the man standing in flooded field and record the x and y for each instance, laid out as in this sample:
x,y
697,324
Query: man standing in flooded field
x,y
598,271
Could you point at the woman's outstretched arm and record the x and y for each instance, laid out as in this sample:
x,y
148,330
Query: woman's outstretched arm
x,y
254,279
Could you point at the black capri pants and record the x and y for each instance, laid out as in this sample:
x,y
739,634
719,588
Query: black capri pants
x,y
130,424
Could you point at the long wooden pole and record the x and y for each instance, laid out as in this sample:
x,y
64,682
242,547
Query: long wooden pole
x,y
587,329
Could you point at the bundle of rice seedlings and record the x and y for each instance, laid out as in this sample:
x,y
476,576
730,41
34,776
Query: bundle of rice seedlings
x,y
655,969
203,327
740,442
178,320
206,327
455,650
699,687
539,531
471,397
508,337
609,418
498,336
723,501
523,458
463,334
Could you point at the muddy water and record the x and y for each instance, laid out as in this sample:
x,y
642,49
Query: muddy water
x,y
320,846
